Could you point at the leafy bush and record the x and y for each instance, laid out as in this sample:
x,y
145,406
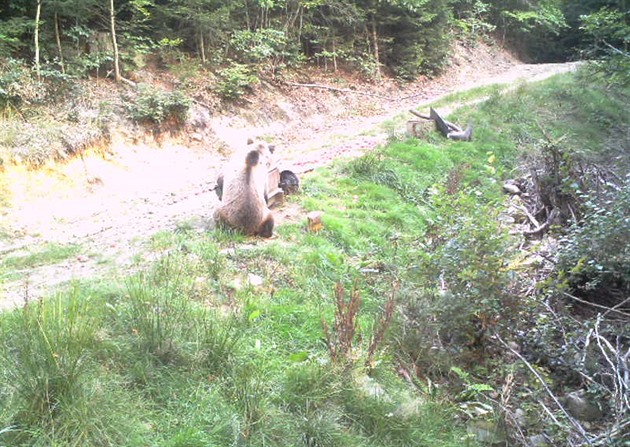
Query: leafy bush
x,y
609,32
152,105
595,255
17,86
234,81
463,288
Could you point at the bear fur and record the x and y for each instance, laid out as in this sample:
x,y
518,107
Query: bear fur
x,y
243,203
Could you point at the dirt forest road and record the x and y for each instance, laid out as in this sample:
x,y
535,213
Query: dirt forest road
x,y
110,204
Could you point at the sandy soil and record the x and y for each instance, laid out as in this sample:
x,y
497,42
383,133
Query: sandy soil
x,y
111,200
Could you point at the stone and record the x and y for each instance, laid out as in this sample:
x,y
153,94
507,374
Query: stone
x,y
538,441
487,432
254,280
511,188
581,407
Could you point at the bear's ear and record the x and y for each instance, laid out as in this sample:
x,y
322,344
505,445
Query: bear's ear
x,y
250,141
272,148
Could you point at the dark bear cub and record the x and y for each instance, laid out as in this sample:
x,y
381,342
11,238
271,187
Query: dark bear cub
x,y
243,205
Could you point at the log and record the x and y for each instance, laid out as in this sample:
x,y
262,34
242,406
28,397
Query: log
x,y
465,135
439,122
449,130
452,126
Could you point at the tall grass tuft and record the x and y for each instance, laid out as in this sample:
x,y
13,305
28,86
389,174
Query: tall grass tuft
x,y
46,354
54,392
156,310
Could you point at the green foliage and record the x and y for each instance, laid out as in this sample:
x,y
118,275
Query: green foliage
x,y
269,46
412,37
234,81
19,88
12,32
47,346
155,106
472,20
17,85
594,255
36,256
609,35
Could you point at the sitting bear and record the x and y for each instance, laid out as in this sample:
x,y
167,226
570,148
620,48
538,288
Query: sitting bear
x,y
244,183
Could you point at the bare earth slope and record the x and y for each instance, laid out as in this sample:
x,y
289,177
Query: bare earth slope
x,y
110,202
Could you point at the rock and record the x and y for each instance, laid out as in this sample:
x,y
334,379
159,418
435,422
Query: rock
x,y
520,417
506,219
254,280
371,387
487,432
511,188
538,441
581,407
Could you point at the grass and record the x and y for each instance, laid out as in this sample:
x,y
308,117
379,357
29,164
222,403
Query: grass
x,y
189,353
14,265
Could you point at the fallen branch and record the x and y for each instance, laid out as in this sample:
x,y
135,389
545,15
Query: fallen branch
x,y
452,126
544,227
599,306
529,215
341,90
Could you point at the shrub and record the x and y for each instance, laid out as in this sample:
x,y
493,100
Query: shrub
x,y
595,255
155,106
462,292
17,86
234,81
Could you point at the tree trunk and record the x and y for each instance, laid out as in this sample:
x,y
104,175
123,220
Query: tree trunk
x,y
376,53
37,16
112,16
202,48
58,39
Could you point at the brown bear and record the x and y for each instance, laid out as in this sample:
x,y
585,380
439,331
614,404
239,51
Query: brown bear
x,y
244,183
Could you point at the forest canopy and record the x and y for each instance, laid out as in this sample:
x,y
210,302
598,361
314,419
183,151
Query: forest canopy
x,y
403,38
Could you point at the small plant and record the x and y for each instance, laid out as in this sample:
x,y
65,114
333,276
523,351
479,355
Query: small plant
x,y
17,85
234,81
157,311
345,334
345,330
155,106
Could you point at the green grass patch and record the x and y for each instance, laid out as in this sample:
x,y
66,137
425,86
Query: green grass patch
x,y
16,264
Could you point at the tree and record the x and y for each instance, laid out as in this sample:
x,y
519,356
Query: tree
x,y
36,39
112,16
